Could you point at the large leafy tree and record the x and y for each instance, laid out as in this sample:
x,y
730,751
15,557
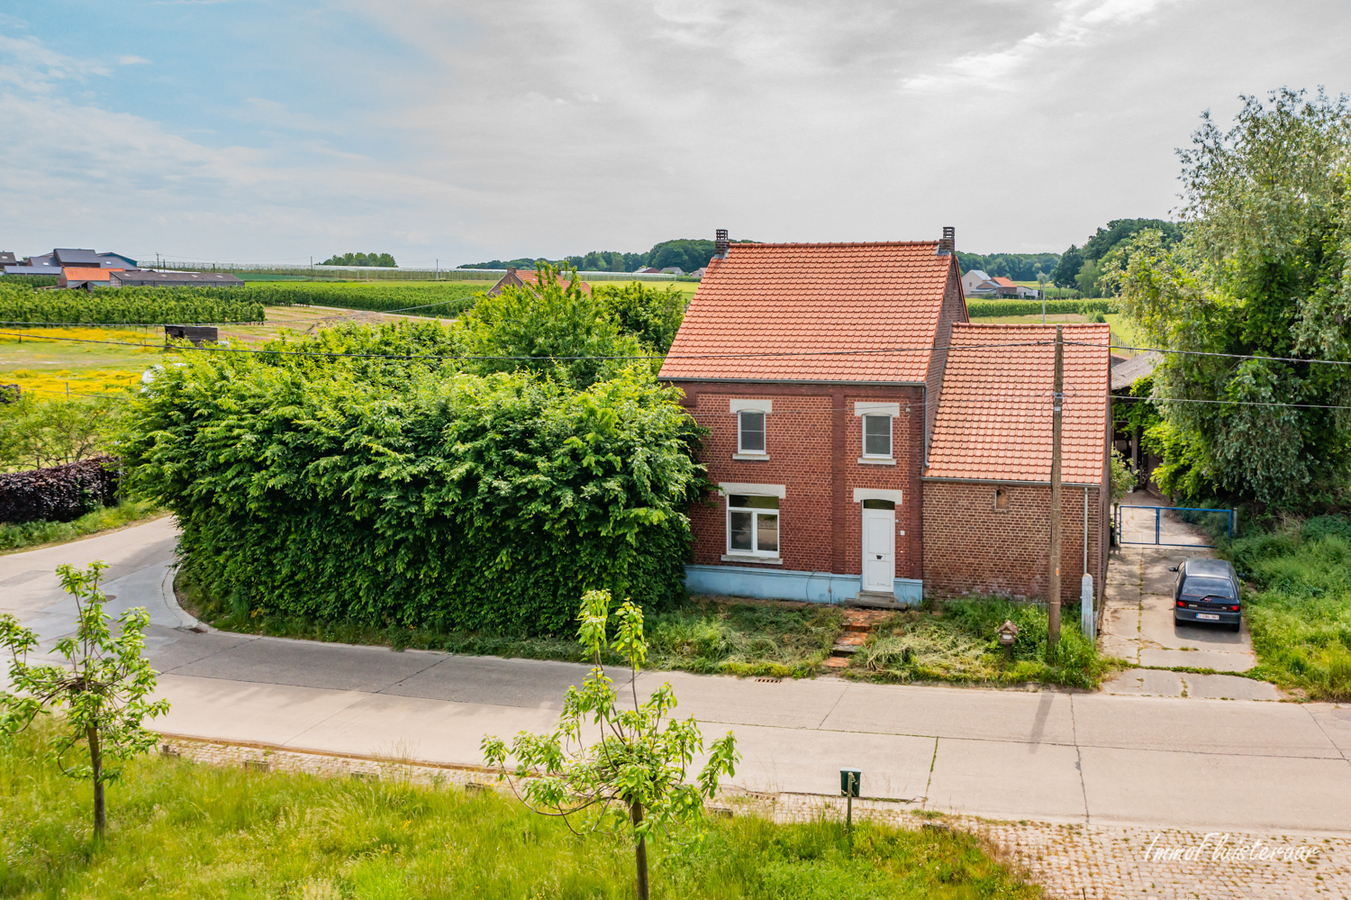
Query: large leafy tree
x,y
1261,272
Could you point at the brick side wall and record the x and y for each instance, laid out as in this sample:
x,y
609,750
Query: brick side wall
x,y
814,442
954,310
970,547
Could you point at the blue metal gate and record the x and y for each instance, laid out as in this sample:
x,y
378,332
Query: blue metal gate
x,y
1158,512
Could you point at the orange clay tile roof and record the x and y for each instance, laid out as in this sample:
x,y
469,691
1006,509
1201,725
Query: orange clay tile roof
x,y
994,412
532,278
1004,282
72,273
798,298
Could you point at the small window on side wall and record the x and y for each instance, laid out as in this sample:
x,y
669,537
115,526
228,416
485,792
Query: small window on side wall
x,y
1001,499
877,436
750,431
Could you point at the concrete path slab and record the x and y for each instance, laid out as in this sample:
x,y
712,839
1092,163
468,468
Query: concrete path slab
x,y
1213,791
1282,730
339,667
1007,779
1042,717
415,728
1336,724
1145,683
245,711
1229,687
894,767
785,704
529,683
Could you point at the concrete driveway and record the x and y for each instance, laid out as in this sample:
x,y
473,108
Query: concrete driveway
x,y
1138,619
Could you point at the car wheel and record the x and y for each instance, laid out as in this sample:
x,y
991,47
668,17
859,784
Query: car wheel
x,y
1237,626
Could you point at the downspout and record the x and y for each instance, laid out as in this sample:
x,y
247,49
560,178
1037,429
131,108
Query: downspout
x,y
1085,529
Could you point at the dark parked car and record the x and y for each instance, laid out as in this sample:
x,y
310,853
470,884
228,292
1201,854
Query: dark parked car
x,y
1207,591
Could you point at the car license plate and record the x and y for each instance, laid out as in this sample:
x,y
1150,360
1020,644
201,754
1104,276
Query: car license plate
x,y
1208,616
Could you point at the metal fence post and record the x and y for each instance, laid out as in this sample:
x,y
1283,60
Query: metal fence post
x,y
1158,515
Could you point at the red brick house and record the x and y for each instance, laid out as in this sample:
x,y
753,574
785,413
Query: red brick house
x,y
821,372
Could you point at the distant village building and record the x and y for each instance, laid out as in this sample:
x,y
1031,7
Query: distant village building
x,y
143,278
64,258
699,273
516,278
673,270
86,278
977,283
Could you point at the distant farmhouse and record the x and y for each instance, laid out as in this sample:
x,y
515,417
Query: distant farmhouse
x,y
978,284
517,278
87,269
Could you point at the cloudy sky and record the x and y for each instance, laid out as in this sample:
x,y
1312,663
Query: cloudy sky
x,y
246,131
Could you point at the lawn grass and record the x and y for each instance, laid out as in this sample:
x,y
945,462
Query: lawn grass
x,y
959,643
178,829
33,534
1298,605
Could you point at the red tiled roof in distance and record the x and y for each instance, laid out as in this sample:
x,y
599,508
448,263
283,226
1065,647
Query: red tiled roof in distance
x,y
71,273
800,298
994,411
515,278
1004,282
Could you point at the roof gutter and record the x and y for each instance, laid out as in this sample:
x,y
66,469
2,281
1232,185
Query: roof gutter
x,y
1046,483
675,378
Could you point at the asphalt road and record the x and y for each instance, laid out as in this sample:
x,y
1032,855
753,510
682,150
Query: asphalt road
x,y
1049,755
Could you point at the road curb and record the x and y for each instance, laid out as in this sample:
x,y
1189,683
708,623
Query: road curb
x,y
171,601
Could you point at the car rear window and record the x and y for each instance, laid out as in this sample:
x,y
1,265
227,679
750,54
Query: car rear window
x,y
1196,587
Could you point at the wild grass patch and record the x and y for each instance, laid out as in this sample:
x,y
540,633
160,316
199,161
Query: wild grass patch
x,y
960,643
182,830
1300,610
32,534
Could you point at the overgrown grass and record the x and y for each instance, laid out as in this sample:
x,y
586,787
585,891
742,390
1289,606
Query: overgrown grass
x,y
31,534
960,643
181,830
1300,612
708,636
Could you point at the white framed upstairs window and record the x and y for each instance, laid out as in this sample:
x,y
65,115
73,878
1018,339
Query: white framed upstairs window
x,y
878,420
877,437
750,431
751,428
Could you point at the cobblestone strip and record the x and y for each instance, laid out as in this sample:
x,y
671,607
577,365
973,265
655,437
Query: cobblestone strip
x,y
1070,862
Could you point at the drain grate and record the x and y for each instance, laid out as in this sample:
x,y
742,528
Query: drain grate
x,y
769,680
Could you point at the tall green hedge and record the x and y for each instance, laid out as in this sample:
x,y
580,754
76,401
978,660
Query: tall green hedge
x,y
986,308
412,493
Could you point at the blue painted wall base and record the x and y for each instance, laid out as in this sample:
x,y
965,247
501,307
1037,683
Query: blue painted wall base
x,y
768,584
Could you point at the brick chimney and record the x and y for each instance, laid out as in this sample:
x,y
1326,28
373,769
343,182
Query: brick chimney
x,y
948,243
720,244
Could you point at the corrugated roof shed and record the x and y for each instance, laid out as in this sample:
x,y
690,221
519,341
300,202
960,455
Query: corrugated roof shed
x,y
801,298
994,412
1127,372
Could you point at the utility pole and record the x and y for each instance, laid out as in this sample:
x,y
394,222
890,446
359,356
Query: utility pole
x,y
1041,280
1057,405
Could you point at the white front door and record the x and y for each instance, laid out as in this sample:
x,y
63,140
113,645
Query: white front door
x,y
879,546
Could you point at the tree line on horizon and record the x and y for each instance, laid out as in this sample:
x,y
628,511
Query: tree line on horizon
x,y
687,253
361,259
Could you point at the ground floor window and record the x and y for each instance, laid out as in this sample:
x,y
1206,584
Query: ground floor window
x,y
753,525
